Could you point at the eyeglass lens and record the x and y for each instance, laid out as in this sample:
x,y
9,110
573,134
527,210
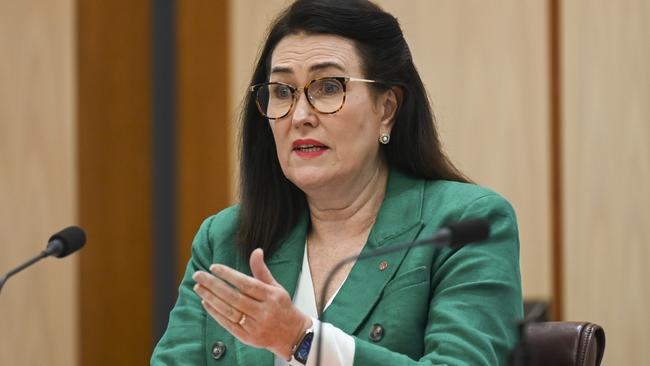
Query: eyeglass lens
x,y
275,100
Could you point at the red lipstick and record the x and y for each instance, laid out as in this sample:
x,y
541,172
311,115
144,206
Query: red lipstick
x,y
309,148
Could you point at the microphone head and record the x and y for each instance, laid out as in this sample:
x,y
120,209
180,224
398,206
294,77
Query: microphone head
x,y
469,231
73,238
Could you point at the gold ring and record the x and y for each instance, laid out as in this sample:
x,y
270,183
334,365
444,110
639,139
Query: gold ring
x,y
242,320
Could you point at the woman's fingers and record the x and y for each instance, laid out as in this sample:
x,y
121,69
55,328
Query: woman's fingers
x,y
259,268
245,284
223,296
233,327
231,313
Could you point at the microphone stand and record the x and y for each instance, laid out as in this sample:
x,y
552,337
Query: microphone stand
x,y
441,238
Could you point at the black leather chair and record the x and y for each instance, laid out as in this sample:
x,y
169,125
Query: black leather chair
x,y
563,344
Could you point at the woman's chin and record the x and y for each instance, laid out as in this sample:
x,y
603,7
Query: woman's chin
x,y
310,179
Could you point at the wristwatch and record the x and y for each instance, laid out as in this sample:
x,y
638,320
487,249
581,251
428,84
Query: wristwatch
x,y
300,351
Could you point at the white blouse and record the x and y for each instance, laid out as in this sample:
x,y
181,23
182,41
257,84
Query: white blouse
x,y
338,346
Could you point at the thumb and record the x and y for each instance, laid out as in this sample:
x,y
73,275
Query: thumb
x,y
259,268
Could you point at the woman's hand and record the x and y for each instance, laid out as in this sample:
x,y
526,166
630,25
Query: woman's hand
x,y
257,310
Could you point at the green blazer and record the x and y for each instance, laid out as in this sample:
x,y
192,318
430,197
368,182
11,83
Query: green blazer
x,y
436,306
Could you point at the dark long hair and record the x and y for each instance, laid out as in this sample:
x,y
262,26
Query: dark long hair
x,y
270,204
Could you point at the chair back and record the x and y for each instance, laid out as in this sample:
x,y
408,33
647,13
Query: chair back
x,y
565,343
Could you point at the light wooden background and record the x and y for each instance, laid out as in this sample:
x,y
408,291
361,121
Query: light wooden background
x,y
39,307
607,171
486,67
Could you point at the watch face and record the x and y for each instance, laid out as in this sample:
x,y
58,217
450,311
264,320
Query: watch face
x,y
302,352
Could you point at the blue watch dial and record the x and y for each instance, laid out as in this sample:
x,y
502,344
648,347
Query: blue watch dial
x,y
302,351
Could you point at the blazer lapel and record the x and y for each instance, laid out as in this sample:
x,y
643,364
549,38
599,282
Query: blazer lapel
x,y
399,220
285,265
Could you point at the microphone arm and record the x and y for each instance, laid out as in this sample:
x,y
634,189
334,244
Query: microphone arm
x,y
28,263
452,235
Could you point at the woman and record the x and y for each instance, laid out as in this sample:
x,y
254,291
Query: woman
x,y
339,156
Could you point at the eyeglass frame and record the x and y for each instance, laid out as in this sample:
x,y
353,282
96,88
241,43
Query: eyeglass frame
x,y
344,80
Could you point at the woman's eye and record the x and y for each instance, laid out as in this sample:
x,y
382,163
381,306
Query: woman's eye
x,y
282,92
330,87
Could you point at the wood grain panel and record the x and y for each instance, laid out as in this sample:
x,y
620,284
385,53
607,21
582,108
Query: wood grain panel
x,y
38,307
114,99
204,124
249,22
607,171
485,67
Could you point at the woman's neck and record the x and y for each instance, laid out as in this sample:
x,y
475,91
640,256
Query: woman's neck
x,y
352,213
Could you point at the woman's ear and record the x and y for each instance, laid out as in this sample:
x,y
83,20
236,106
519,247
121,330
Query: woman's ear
x,y
391,100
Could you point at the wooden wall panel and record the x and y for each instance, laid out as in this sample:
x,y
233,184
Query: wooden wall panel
x,y
38,307
606,47
114,141
485,68
204,124
249,22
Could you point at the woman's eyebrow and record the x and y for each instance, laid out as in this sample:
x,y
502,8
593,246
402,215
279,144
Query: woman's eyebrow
x,y
326,65
315,67
281,70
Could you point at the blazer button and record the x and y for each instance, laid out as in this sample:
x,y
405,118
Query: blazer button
x,y
376,333
218,350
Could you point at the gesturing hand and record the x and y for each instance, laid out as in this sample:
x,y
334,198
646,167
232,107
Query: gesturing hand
x,y
257,310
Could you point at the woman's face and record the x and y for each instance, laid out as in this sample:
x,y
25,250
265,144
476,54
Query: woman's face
x,y
319,150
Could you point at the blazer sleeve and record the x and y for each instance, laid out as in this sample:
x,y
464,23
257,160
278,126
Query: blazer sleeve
x,y
475,299
183,341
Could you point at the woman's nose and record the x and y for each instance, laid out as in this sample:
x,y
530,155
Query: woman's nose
x,y
303,113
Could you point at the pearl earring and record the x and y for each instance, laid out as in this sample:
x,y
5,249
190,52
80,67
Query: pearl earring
x,y
384,138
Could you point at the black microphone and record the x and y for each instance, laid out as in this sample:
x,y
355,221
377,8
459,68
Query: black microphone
x,y
61,244
452,235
